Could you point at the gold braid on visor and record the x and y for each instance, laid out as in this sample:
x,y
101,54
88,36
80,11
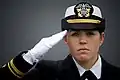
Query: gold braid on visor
x,y
83,21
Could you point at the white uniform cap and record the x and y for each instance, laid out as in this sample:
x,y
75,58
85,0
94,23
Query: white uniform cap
x,y
83,16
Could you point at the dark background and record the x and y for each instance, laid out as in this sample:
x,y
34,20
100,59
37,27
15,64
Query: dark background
x,y
24,22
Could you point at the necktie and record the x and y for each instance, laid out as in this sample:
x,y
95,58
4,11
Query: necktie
x,y
88,75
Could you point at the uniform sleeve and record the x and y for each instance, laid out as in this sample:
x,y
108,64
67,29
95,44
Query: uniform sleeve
x,y
15,68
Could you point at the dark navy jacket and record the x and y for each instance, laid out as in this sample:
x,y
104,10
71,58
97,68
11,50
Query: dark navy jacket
x,y
52,70
67,70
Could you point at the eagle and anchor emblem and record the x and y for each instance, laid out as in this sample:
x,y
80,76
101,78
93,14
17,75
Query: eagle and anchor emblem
x,y
83,9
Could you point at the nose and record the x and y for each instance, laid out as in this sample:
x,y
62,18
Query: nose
x,y
82,39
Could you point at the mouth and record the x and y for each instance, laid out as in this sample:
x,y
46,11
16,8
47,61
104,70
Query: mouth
x,y
83,49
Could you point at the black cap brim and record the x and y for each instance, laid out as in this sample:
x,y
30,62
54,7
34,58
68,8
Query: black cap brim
x,y
78,26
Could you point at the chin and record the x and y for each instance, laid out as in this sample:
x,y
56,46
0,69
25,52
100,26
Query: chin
x,y
82,58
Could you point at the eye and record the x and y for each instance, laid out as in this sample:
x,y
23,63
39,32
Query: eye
x,y
90,33
75,34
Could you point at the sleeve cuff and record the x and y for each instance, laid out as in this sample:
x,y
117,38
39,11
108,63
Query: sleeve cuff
x,y
18,66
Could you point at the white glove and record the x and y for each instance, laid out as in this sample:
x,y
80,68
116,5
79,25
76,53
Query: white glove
x,y
35,54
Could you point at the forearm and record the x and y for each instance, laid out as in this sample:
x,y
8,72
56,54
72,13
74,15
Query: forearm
x,y
15,68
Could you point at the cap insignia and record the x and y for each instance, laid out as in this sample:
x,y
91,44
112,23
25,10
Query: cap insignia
x,y
83,9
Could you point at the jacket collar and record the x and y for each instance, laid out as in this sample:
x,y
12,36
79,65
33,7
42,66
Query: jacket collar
x,y
96,69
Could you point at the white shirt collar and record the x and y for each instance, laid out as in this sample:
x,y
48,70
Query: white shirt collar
x,y
96,69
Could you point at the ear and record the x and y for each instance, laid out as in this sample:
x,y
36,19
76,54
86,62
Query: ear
x,y
66,39
102,37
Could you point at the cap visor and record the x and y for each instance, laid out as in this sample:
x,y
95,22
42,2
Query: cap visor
x,y
83,26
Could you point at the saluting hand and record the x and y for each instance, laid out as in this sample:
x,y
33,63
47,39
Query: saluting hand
x,y
43,46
